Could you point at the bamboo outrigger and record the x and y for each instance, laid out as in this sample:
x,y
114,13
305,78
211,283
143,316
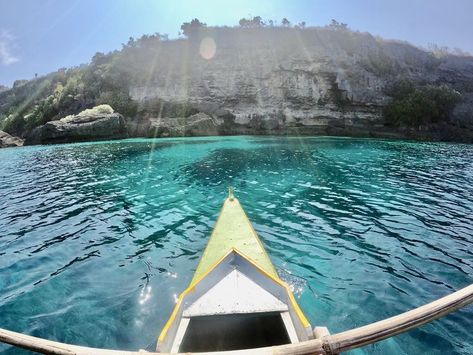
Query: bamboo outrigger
x,y
236,304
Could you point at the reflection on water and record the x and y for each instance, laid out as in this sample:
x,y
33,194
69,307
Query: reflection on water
x,y
97,240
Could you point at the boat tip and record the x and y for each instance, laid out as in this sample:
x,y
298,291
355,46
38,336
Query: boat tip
x,y
231,196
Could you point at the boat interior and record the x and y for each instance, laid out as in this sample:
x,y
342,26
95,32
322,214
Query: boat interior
x,y
235,306
234,332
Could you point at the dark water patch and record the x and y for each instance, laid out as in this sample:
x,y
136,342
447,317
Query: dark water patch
x,y
225,165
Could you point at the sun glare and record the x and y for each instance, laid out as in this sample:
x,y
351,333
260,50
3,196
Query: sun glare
x,y
208,47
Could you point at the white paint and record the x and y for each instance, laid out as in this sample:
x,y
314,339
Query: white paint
x,y
235,294
181,331
291,331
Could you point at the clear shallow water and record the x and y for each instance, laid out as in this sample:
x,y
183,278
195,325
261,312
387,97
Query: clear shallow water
x,y
97,240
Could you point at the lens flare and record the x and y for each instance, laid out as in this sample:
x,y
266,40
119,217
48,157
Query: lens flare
x,y
208,47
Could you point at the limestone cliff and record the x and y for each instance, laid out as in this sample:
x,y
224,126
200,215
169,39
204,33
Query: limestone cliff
x,y
310,81
264,80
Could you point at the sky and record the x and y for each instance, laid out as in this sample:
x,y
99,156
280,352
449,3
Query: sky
x,y
41,36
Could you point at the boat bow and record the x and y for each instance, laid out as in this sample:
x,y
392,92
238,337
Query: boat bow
x,y
236,299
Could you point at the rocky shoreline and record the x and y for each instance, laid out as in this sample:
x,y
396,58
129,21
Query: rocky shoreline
x,y
7,140
102,123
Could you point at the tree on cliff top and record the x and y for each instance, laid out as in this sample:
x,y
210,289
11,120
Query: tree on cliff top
x,y
337,26
256,21
285,22
191,29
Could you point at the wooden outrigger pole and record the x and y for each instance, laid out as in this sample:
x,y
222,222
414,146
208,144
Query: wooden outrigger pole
x,y
236,282
329,344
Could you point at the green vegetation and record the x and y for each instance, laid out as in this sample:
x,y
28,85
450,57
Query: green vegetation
x,y
105,81
120,101
193,28
417,106
256,21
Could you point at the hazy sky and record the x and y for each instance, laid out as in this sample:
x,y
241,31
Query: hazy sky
x,y
40,36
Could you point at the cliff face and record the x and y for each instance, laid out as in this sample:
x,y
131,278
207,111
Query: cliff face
x,y
297,81
266,80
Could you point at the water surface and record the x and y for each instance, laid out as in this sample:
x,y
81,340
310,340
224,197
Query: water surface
x,y
97,240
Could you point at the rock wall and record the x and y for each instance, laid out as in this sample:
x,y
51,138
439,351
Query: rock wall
x,y
7,140
269,80
101,122
287,81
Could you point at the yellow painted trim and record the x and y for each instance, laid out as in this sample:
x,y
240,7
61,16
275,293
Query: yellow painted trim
x,y
211,236
191,287
280,282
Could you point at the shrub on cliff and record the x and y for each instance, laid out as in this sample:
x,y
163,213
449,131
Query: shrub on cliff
x,y
120,101
193,28
417,106
256,21
14,124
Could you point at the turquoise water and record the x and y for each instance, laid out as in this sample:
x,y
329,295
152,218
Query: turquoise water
x,y
97,240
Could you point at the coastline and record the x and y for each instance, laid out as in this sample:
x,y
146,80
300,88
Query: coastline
x,y
378,135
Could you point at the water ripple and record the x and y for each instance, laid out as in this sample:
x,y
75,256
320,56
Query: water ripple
x,y
97,240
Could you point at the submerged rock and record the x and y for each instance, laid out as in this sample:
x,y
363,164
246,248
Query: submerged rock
x,y
7,140
100,122
199,124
